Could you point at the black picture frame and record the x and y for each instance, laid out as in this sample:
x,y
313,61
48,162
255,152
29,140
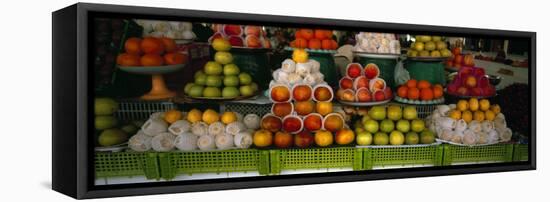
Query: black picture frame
x,y
72,171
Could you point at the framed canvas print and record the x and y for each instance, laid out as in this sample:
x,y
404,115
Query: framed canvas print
x,y
157,100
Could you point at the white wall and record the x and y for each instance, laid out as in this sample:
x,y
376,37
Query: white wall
x,y
25,78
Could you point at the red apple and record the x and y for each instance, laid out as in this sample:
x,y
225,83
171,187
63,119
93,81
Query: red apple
x,y
253,42
462,91
292,124
282,109
346,83
452,88
313,122
379,95
477,91
215,36
354,70
457,51
280,93
301,92
371,71
322,93
236,41
361,82
283,139
232,30
470,81
377,84
271,123
364,95
303,139
348,95
388,92
344,136
459,59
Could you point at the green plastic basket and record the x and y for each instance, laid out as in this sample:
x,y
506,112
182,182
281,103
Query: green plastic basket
x,y
402,156
315,158
454,154
432,71
386,66
238,160
126,164
521,152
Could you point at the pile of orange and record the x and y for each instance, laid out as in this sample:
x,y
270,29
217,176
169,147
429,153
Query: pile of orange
x,y
314,39
150,51
420,90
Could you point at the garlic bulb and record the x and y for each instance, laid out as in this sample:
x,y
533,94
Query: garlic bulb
x,y
199,128
252,121
206,142
243,140
140,142
179,127
163,142
288,66
186,142
216,128
154,126
234,128
224,141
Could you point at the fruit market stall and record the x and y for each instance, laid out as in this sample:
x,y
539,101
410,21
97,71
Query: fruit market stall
x,y
258,104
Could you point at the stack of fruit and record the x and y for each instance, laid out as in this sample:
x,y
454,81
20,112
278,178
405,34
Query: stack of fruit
x,y
419,92
392,125
248,36
363,85
221,81
314,39
150,51
298,70
429,46
459,60
470,122
171,29
195,130
471,82
377,43
106,124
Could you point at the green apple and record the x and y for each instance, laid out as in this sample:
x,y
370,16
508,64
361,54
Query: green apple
x,y
213,68
201,80
411,138
377,113
196,91
417,125
231,69
105,106
418,46
245,78
112,137
223,57
231,81
397,138
394,112
436,38
429,46
440,45
435,54
412,53
403,126
387,125
371,126
364,138
359,129
213,81
105,122
221,44
409,113
424,53
365,118
198,73
381,138
187,87
427,137
212,92
446,53
423,38
230,92
246,90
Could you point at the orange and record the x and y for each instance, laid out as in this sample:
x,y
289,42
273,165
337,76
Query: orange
x,y
324,108
298,34
326,44
334,44
321,34
306,33
402,91
172,116
126,59
169,44
152,45
423,84
426,94
413,93
132,45
300,43
314,44
151,60
174,58
323,138
438,91
411,83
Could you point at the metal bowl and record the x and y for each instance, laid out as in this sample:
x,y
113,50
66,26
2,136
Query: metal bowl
x,y
493,79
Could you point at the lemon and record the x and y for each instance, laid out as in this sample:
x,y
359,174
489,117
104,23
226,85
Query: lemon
x,y
229,117
172,116
484,104
462,105
489,115
495,108
300,56
210,116
474,104
194,116
479,116
455,114
467,116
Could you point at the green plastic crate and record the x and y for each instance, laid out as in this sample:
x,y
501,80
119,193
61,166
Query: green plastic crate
x,y
453,154
316,158
402,156
126,164
521,152
238,160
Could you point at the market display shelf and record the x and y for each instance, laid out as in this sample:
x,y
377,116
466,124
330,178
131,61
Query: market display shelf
x,y
315,158
521,152
131,110
126,164
402,156
176,163
453,154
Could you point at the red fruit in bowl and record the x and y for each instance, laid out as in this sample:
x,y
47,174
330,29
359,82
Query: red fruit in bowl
x,y
233,30
313,122
462,91
483,82
452,88
301,92
361,82
346,83
479,72
377,84
271,123
379,95
253,42
371,71
236,41
388,92
364,95
476,91
348,95
354,70
470,81
292,124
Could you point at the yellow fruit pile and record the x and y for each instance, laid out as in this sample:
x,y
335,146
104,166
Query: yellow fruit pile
x,y
210,116
475,109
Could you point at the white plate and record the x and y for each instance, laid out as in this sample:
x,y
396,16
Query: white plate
x,y
363,104
419,102
466,145
377,55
